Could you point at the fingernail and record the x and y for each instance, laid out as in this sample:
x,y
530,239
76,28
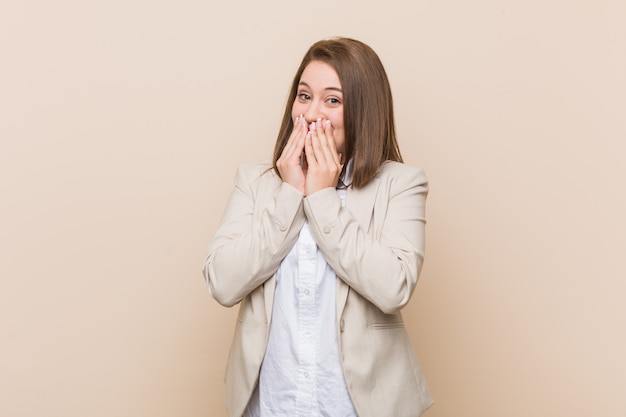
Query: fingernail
x,y
313,126
327,122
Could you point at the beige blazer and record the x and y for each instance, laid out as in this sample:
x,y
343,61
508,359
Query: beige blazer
x,y
375,245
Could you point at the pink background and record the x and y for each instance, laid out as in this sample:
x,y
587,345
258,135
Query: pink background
x,y
122,123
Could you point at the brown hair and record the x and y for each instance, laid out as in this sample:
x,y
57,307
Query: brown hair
x,y
370,133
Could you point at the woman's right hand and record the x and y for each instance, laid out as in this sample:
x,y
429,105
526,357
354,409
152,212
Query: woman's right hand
x,y
289,166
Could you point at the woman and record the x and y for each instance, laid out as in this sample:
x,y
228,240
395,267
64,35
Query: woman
x,y
322,249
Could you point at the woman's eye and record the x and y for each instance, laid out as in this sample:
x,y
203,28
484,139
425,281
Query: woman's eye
x,y
304,96
334,100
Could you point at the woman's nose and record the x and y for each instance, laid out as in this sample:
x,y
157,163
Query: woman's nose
x,y
313,113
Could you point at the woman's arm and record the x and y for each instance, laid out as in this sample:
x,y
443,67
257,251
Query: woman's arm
x,y
383,263
260,225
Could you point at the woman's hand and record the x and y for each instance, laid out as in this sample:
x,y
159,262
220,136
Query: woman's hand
x,y
324,162
289,166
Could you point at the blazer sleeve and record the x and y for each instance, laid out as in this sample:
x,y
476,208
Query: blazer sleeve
x,y
382,260
260,225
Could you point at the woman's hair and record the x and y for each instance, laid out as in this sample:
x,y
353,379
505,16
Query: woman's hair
x,y
370,134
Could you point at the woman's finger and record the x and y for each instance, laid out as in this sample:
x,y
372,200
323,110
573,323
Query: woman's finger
x,y
291,154
326,150
292,142
332,145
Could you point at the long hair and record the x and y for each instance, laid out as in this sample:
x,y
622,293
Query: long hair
x,y
370,133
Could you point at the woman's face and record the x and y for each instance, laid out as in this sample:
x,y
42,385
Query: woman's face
x,y
319,96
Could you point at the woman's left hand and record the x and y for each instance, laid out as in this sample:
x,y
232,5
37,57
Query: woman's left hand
x,y
324,162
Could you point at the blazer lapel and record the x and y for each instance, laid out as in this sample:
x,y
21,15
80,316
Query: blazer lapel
x,y
341,295
268,293
270,285
361,204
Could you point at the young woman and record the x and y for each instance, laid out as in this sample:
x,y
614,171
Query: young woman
x,y
322,249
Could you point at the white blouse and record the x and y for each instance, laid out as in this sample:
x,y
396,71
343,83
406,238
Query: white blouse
x,y
301,374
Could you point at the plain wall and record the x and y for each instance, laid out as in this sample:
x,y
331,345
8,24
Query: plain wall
x,y
122,123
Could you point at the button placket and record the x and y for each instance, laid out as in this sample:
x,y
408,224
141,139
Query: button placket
x,y
307,265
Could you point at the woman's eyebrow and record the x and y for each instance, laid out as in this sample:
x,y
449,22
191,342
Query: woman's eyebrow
x,y
327,88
